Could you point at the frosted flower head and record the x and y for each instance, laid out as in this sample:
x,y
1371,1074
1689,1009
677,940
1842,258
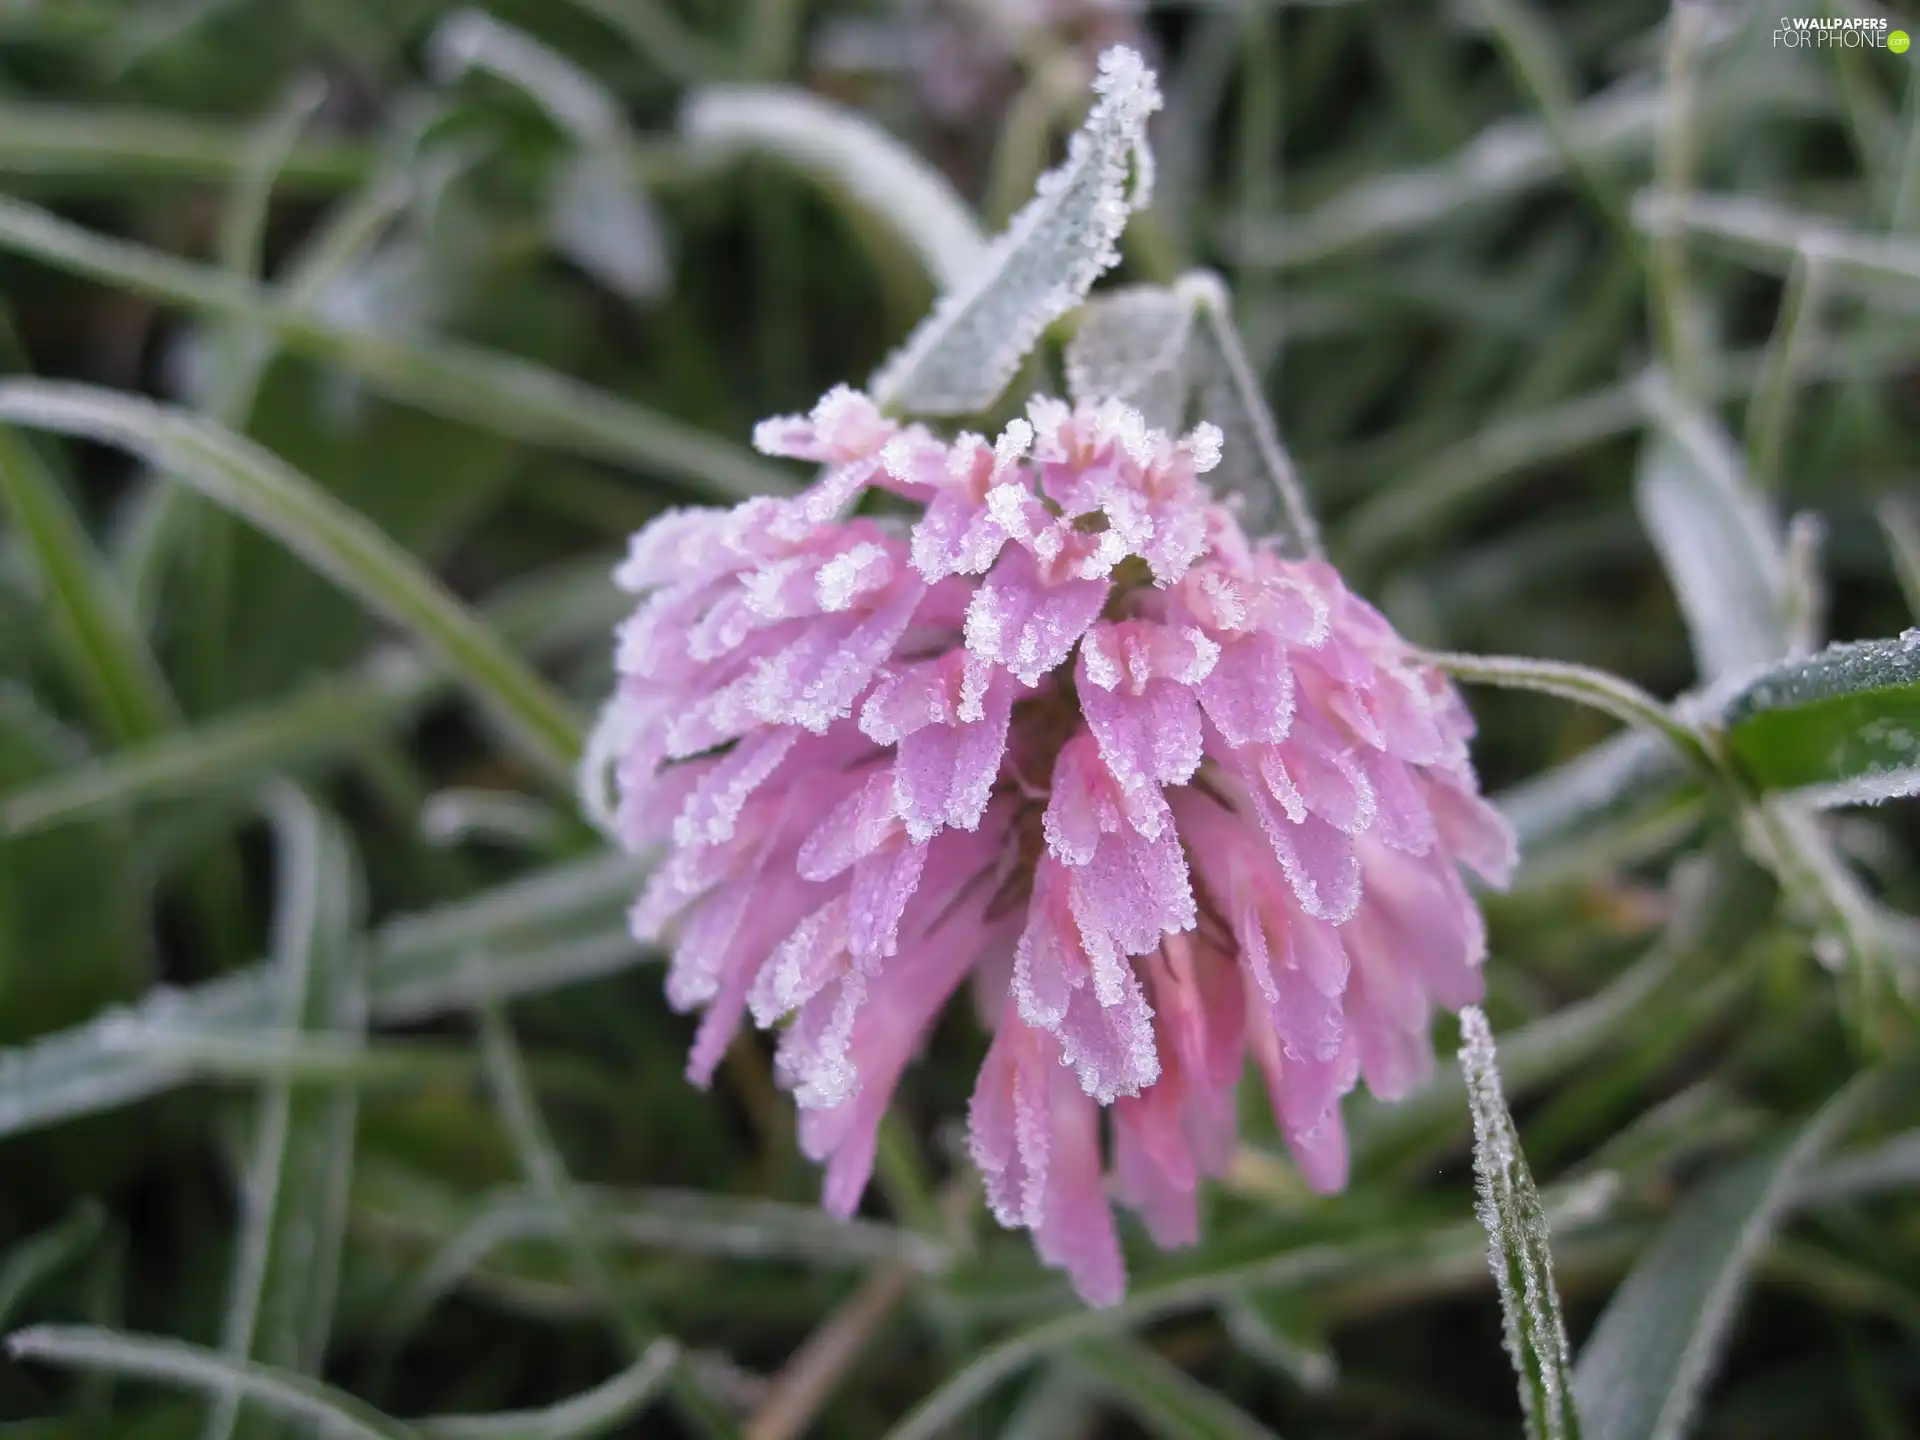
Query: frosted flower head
x,y
1162,799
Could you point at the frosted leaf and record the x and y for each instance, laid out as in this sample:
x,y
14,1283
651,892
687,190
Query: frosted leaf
x,y
1254,466
1517,1250
849,152
963,354
1132,346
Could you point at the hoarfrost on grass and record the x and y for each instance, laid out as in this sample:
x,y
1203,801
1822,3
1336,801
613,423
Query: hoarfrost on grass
x,y
1517,1247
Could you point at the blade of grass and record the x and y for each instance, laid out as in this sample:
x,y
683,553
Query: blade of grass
x,y
1641,1373
617,1401
88,146
499,393
108,657
541,1162
280,1301
38,1258
343,237
1770,413
333,539
241,243
1161,1397
1532,53
334,1413
1518,1252
1769,234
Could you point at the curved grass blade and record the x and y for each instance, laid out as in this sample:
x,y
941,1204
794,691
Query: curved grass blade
x,y
39,1257
280,1305
964,353
617,1401
1163,1398
1650,1357
1843,724
332,1413
849,153
502,394
1517,1244
333,539
109,659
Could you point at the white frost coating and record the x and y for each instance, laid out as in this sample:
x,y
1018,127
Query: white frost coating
x,y
1132,346
574,100
963,354
1516,1225
851,152
599,218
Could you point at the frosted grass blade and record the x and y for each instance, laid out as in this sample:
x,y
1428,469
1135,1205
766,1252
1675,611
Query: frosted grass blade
x,y
294,1210
1517,1244
109,658
341,544
332,1413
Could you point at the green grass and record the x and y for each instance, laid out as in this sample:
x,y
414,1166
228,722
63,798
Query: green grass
x,y
332,1090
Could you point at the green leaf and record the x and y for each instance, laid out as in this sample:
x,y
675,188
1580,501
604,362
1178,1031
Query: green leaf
x,y
1517,1244
1163,1398
498,393
109,658
1844,723
614,1402
334,1413
334,540
849,153
963,354
1648,1361
294,1204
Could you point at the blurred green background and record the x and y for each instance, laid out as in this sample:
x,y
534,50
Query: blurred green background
x,y
474,276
